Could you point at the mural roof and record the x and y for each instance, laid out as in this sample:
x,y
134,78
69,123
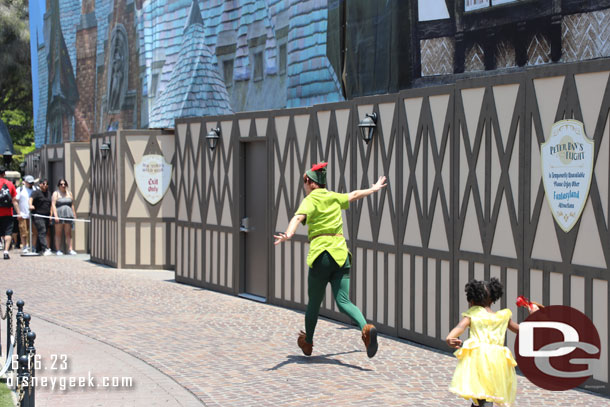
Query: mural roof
x,y
195,87
62,89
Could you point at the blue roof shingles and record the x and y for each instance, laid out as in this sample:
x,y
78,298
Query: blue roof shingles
x,y
103,8
41,122
195,87
311,78
69,18
307,61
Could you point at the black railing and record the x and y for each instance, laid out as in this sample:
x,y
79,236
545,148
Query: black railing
x,y
20,353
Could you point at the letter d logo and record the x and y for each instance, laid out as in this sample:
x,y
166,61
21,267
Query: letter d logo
x,y
557,348
526,338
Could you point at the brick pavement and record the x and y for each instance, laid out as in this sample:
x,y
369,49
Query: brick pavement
x,y
229,351
111,377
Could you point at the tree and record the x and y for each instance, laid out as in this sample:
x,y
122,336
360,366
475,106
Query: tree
x,y
15,71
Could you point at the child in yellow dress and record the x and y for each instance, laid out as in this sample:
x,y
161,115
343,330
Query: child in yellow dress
x,y
486,368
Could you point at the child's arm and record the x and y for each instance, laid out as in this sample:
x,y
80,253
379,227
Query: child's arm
x,y
513,326
452,339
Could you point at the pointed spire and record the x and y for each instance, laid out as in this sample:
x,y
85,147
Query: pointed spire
x,y
194,16
62,89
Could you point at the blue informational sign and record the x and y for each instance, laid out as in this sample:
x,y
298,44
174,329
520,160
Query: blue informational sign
x,y
567,168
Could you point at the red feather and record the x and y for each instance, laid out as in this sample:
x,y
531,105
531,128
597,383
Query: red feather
x,y
318,166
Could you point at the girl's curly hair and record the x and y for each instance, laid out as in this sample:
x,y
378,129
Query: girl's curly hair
x,y
484,293
476,292
495,289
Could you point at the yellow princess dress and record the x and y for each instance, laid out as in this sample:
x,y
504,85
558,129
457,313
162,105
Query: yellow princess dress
x,y
486,368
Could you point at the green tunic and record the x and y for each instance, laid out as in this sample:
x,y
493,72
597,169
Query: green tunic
x,y
323,211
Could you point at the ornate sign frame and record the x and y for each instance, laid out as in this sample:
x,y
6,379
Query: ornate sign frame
x,y
153,177
567,170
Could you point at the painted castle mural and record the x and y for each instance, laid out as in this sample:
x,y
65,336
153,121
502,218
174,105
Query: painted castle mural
x,y
106,64
100,65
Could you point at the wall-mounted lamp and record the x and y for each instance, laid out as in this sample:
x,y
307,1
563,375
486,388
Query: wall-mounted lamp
x,y
105,149
213,137
8,157
22,167
367,126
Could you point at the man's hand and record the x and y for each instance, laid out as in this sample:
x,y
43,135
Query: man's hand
x,y
381,183
280,237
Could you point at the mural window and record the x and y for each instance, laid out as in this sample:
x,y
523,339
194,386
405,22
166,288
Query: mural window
x,y
282,59
227,72
430,10
258,66
470,5
154,84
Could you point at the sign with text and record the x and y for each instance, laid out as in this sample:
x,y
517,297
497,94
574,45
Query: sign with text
x,y
153,176
567,168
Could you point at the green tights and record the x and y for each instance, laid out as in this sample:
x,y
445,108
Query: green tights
x,y
326,270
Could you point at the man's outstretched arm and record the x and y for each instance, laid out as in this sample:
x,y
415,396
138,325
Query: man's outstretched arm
x,y
361,193
290,230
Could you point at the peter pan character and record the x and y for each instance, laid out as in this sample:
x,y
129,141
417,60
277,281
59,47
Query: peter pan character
x,y
329,260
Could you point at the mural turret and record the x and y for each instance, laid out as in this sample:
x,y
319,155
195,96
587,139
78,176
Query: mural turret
x,y
119,101
86,35
62,90
196,88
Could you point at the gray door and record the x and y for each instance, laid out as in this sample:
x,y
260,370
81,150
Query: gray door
x,y
254,223
56,169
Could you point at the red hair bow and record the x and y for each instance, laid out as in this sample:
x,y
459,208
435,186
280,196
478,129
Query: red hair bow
x,y
318,166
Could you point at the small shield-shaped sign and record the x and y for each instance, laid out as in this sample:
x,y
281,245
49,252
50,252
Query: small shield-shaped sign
x,y
567,168
153,176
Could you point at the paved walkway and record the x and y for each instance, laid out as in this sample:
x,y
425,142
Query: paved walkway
x,y
111,377
226,350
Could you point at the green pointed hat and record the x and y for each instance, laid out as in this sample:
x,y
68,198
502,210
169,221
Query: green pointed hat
x,y
317,173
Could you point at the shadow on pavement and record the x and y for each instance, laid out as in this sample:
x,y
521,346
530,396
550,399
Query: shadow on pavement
x,y
319,359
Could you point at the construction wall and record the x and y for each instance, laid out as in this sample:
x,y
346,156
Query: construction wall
x,y
127,231
77,173
465,200
105,220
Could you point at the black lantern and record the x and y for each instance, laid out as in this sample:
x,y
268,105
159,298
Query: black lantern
x,y
22,167
8,157
367,126
104,150
213,137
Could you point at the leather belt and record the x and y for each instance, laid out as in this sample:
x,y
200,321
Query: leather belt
x,y
325,234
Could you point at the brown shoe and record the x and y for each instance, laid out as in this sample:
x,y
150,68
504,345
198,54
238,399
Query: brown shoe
x,y
305,346
369,337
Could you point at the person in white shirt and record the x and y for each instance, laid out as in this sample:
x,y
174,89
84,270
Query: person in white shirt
x,y
24,192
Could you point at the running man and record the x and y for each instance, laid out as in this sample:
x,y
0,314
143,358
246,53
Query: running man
x,y
328,259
